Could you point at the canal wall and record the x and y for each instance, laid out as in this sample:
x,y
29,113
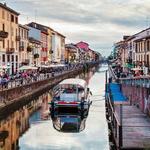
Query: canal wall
x,y
138,96
17,97
136,89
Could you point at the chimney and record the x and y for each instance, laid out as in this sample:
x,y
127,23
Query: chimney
x,y
5,4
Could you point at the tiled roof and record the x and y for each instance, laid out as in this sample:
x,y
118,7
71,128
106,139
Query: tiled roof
x,y
9,9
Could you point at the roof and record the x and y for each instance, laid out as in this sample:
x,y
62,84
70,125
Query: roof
x,y
24,26
9,9
33,40
43,28
142,38
74,81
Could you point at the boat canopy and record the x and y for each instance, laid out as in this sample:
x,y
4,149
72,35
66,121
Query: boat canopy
x,y
73,81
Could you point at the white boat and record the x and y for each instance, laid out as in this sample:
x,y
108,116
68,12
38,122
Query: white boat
x,y
71,96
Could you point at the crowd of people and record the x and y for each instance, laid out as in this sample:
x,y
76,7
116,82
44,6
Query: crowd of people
x,y
123,73
27,76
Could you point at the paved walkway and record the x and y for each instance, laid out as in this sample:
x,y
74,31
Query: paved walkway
x,y
136,128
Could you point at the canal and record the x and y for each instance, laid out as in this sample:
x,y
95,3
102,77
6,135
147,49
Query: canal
x,y
30,128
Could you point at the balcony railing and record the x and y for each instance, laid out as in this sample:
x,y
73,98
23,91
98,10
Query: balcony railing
x,y
10,50
3,34
18,38
21,48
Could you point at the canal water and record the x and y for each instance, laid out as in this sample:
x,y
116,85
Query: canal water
x,y
30,128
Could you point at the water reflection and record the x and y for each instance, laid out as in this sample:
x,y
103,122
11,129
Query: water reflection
x,y
27,128
16,124
69,123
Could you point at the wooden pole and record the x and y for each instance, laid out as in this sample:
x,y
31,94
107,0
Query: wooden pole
x,y
120,128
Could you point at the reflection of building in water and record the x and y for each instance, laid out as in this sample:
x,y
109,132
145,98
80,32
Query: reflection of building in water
x,y
16,124
87,76
69,123
44,111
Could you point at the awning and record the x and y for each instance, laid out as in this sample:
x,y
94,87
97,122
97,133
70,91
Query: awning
x,y
28,68
4,67
136,69
128,65
74,81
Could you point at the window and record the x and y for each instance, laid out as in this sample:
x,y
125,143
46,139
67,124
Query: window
x,y
136,47
4,43
3,27
16,32
3,58
12,18
7,16
148,48
8,58
22,33
12,31
3,14
16,58
12,44
19,31
12,58
8,43
16,20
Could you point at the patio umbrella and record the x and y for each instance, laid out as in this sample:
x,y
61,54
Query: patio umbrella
x,y
136,69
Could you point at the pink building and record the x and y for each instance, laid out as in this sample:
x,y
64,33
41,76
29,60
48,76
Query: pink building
x,y
83,45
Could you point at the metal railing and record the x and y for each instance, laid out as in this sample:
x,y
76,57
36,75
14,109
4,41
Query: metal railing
x,y
113,122
112,74
20,87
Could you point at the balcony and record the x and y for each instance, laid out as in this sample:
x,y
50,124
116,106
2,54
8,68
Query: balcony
x,y
3,34
29,49
25,61
10,50
18,38
21,48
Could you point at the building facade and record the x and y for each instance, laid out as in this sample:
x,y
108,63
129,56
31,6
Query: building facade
x,y
58,47
9,45
35,52
23,45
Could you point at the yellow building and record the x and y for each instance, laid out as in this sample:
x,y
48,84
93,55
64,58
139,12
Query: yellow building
x,y
8,43
49,44
23,44
71,52
34,55
58,47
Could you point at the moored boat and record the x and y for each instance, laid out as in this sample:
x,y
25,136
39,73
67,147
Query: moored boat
x,y
71,96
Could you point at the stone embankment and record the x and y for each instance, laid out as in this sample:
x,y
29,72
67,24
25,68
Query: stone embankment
x,y
15,98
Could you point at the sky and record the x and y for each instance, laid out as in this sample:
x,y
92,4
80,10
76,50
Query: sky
x,y
100,23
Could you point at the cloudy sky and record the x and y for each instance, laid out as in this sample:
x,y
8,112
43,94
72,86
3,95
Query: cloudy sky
x,y
98,22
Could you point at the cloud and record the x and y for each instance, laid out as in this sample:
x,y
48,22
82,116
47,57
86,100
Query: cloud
x,y
99,22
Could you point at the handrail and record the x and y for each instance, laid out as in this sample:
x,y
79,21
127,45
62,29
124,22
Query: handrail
x,y
139,77
116,118
112,73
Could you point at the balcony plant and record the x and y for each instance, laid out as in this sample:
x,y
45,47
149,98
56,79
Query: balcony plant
x,y
3,34
29,49
36,55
